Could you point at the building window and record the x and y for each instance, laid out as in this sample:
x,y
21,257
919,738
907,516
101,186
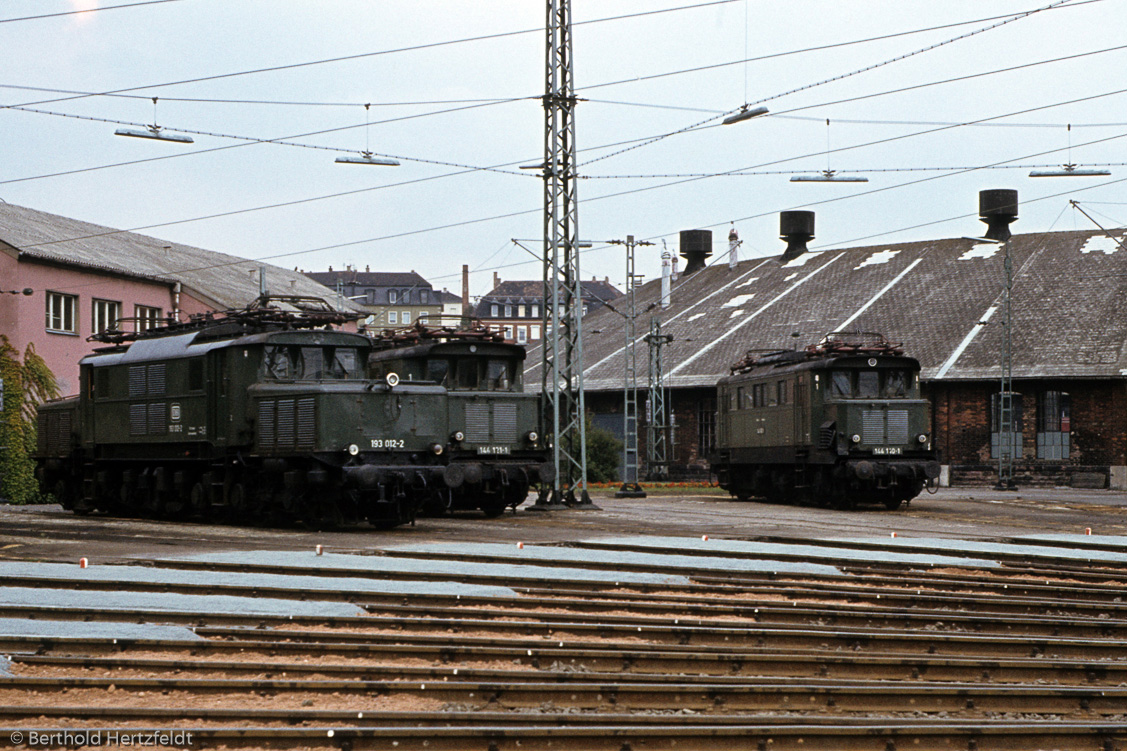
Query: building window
x,y
534,333
535,310
508,311
405,317
584,309
998,440
393,295
1054,425
146,317
61,313
509,333
424,297
106,314
706,427
494,310
521,310
522,334
423,317
392,316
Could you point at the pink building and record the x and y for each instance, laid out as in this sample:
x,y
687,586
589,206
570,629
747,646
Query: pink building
x,y
85,278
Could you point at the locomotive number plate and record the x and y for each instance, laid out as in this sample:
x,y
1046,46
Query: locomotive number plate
x,y
886,450
493,450
387,443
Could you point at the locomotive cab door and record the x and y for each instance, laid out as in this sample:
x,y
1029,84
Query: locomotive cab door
x,y
802,410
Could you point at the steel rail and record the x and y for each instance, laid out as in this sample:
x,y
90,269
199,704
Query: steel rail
x,y
892,736
850,697
826,667
856,583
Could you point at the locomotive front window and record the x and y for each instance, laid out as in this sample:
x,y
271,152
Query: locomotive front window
x,y
868,384
895,384
467,374
498,376
841,383
437,371
276,363
345,363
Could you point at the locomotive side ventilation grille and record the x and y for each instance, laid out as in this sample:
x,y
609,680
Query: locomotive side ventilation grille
x,y
287,423
147,380
879,426
483,427
53,434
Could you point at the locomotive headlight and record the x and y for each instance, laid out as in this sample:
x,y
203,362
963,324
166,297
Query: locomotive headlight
x,y
457,436
436,449
855,438
922,438
532,436
353,449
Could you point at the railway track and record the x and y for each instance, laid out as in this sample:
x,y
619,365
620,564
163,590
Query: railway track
x,y
620,645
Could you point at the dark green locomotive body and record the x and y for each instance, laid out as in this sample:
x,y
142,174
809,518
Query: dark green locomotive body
x,y
492,451
838,426
251,426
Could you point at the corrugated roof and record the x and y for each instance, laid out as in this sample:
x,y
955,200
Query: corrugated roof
x,y
941,299
370,278
224,280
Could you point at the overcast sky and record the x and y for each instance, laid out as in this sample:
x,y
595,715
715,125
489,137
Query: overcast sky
x,y
455,106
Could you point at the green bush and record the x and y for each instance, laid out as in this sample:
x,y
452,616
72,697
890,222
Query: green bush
x,y
603,454
26,385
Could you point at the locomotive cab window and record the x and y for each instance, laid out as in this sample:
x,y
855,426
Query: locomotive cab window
x,y
437,371
289,363
498,376
871,384
868,384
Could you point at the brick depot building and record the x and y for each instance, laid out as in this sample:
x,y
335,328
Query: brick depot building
x,y
943,300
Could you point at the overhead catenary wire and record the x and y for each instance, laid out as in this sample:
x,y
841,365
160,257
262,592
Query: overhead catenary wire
x,y
376,53
83,11
833,79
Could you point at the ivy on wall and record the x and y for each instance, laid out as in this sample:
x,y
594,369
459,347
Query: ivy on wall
x,y
23,387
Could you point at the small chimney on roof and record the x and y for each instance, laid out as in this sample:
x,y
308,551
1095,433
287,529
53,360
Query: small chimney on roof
x,y
696,247
496,280
368,268
666,278
997,208
797,228
465,288
733,248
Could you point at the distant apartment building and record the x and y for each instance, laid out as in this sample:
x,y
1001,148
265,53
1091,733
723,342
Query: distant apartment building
x,y
391,299
516,308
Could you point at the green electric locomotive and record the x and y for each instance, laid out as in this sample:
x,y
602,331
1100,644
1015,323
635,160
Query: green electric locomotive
x,y
493,451
254,415
840,423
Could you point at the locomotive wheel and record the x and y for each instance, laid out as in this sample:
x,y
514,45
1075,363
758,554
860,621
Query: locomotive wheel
x,y
494,507
893,503
198,501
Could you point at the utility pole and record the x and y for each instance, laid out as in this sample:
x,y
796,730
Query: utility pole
x,y
1006,439
630,487
564,418
657,427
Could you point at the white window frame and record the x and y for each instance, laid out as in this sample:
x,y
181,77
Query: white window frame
x,y
104,315
535,310
146,317
393,316
534,333
509,333
62,313
393,296
522,334
508,311
494,310
405,317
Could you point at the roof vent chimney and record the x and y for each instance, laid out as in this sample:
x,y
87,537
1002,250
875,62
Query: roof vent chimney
x,y
997,208
797,228
696,247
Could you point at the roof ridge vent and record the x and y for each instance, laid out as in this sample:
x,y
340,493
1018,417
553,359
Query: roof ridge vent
x,y
998,209
797,228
